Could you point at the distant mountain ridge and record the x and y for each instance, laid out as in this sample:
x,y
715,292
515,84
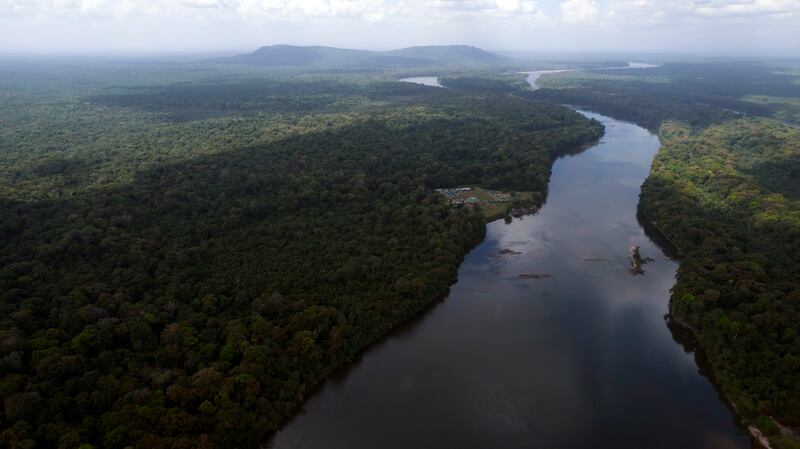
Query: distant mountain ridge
x,y
320,56
448,52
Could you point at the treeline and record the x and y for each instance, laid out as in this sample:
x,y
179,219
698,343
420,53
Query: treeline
x,y
186,284
699,94
726,197
197,101
486,84
731,85
648,109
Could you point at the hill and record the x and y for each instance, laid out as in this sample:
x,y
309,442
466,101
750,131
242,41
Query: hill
x,y
315,56
319,56
450,53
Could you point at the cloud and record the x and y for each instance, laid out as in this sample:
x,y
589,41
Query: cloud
x,y
719,8
213,4
651,11
272,9
579,11
390,23
571,11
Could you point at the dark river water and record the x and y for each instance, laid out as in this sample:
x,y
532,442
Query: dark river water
x,y
583,359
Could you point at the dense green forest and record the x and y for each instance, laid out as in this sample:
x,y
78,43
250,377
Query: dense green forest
x,y
649,109
726,190
481,82
183,260
728,197
186,251
699,94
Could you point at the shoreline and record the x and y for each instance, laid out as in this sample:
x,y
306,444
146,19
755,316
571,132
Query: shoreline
x,y
353,361
757,438
418,313
395,330
413,317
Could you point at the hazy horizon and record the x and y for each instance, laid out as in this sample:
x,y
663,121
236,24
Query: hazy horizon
x,y
691,27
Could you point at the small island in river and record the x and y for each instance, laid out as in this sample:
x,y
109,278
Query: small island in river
x,y
637,261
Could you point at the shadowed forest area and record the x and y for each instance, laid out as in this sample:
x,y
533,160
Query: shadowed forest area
x,y
489,216
187,252
183,260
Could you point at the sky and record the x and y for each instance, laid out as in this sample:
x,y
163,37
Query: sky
x,y
710,27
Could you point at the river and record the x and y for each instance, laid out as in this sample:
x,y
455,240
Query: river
x,y
432,81
583,359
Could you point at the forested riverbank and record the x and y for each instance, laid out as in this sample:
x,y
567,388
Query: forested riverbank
x,y
724,188
545,340
183,262
186,254
737,221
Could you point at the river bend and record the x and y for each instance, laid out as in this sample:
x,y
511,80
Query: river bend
x,y
580,360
